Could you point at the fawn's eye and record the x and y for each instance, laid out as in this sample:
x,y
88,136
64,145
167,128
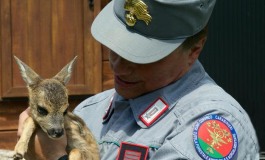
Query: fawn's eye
x,y
42,111
64,113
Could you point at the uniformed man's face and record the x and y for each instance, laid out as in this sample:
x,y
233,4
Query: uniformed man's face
x,y
132,80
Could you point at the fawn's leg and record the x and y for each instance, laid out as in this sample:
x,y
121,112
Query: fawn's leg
x,y
22,145
75,154
79,139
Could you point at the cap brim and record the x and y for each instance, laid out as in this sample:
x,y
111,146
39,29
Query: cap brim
x,y
132,46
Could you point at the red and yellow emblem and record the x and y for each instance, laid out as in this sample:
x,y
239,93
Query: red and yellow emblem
x,y
215,138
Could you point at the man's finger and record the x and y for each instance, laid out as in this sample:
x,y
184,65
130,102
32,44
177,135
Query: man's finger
x,y
22,117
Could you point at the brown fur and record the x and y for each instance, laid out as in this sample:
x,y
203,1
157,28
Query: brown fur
x,y
48,102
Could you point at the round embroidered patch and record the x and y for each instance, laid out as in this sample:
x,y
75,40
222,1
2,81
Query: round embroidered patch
x,y
215,138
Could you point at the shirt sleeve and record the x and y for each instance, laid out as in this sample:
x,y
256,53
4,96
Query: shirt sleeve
x,y
181,145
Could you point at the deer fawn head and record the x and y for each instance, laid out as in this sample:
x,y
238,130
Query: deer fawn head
x,y
48,98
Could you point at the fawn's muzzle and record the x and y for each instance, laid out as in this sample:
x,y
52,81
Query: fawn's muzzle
x,y
55,132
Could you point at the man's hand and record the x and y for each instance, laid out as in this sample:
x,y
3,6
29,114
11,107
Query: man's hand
x,y
41,147
22,117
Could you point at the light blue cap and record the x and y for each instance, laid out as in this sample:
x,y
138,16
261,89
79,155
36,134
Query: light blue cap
x,y
145,31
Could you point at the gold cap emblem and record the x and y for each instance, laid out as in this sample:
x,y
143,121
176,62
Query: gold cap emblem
x,y
137,9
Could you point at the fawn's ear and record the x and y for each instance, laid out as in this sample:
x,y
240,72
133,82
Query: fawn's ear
x,y
65,74
29,76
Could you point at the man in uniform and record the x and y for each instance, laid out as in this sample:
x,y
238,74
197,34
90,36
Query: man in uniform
x,y
164,105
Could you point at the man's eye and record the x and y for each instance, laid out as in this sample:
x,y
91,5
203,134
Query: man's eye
x,y
42,111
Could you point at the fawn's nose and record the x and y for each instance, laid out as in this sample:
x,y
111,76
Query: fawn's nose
x,y
56,132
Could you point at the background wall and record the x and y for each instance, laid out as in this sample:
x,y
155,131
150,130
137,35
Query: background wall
x,y
234,55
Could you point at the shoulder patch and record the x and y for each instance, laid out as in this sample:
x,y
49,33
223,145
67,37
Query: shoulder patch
x,y
215,138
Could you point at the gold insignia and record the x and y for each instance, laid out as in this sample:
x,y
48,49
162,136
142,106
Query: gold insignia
x,y
137,9
219,136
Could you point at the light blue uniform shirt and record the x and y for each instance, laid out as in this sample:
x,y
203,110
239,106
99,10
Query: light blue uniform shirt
x,y
170,136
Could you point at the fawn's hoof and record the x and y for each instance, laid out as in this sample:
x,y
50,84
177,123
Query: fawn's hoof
x,y
18,156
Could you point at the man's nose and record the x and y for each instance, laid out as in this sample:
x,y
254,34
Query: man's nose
x,y
121,66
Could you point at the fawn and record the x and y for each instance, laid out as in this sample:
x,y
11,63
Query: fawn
x,y
48,103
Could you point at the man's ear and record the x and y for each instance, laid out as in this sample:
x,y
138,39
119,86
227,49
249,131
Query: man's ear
x,y
196,49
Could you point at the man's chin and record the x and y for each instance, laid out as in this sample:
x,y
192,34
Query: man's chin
x,y
128,93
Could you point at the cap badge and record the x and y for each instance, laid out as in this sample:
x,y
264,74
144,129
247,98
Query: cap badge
x,y
215,138
137,9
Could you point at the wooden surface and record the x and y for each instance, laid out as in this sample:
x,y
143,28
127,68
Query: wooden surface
x,y
46,35
108,79
8,139
9,113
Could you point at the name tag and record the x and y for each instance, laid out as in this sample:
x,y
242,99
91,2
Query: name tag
x,y
149,116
